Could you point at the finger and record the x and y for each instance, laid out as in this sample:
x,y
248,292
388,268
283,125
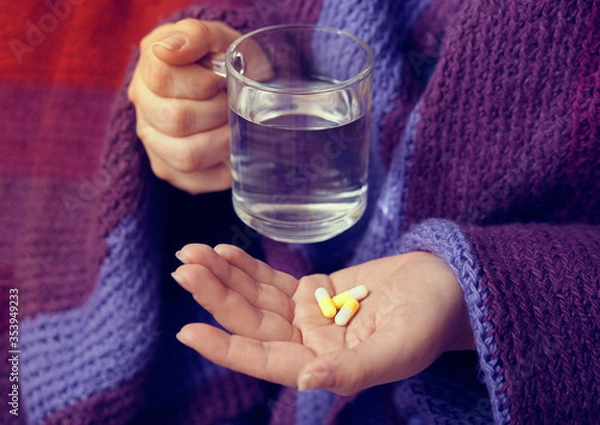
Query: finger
x,y
158,33
212,179
184,81
181,117
189,81
324,373
264,295
276,361
258,270
232,310
191,39
191,153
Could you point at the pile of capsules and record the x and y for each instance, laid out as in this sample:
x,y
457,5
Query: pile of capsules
x,y
342,306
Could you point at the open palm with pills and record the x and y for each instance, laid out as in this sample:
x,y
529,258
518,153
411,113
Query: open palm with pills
x,y
276,331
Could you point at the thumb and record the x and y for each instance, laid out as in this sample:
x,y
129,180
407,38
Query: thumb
x,y
190,39
381,358
340,372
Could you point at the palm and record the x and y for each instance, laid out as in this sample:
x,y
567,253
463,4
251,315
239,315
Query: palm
x,y
277,328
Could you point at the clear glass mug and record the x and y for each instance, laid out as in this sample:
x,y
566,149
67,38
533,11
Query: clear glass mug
x,y
299,101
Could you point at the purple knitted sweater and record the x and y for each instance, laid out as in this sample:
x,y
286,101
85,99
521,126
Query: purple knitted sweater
x,y
485,151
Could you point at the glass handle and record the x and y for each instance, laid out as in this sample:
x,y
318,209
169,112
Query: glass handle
x,y
214,62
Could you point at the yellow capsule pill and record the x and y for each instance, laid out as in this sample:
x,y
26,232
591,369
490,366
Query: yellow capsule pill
x,y
325,303
346,312
358,293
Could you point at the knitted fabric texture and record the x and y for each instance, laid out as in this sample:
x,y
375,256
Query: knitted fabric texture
x,y
485,151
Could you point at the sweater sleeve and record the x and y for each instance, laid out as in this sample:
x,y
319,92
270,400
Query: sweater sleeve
x,y
532,295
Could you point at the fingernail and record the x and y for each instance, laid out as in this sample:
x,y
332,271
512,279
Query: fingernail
x,y
313,380
171,42
180,280
181,338
181,257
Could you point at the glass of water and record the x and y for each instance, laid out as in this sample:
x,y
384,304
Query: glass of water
x,y
299,112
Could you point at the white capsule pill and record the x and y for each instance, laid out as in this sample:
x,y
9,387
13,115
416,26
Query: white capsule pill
x,y
358,293
346,312
325,303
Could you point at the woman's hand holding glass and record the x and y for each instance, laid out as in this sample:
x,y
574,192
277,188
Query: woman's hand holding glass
x,y
181,107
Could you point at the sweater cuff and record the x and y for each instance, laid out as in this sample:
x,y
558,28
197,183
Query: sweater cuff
x,y
446,240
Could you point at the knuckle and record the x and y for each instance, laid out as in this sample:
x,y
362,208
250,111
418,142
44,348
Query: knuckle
x,y
184,160
353,387
144,132
131,92
218,142
194,27
349,388
154,35
183,119
202,31
141,131
160,170
200,88
356,381
178,156
174,118
353,380
145,42
303,281
158,76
